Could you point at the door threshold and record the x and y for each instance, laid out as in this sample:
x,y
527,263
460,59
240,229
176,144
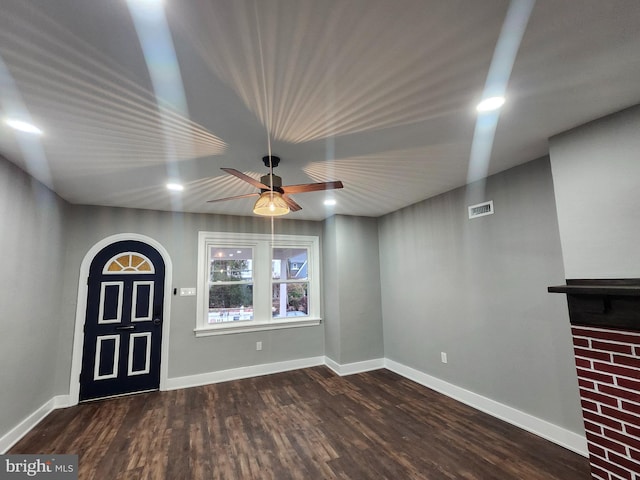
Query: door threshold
x,y
119,395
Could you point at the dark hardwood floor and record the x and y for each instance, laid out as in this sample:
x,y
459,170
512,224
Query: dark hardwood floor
x,y
307,424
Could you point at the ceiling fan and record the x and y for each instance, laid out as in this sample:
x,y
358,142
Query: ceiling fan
x,y
274,199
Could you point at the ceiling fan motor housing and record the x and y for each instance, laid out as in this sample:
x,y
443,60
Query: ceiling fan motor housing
x,y
266,179
277,182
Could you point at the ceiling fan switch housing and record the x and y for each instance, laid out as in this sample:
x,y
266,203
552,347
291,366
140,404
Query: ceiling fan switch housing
x,y
275,161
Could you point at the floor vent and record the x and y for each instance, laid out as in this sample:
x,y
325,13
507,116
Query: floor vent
x,y
481,209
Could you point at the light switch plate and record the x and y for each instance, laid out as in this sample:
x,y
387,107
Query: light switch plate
x,y
187,292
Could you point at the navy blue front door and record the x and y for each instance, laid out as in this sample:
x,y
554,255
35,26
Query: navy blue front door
x,y
123,323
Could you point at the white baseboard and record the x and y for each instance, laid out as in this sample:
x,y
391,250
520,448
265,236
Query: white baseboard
x,y
241,372
14,435
61,401
561,436
356,367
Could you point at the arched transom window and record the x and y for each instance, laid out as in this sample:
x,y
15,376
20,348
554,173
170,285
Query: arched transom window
x,y
128,262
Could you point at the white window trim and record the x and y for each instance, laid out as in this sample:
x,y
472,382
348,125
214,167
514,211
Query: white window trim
x,y
262,245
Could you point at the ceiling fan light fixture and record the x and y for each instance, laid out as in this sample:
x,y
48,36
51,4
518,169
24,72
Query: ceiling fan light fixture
x,y
271,204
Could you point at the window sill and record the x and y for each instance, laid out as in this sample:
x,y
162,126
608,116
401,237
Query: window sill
x,y
242,327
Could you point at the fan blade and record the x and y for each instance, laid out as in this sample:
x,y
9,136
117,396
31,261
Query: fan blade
x,y
234,198
292,205
246,178
312,187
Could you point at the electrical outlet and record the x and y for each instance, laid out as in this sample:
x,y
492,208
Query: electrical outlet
x,y
443,357
258,345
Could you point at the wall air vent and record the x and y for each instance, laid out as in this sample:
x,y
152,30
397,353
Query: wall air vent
x,y
481,209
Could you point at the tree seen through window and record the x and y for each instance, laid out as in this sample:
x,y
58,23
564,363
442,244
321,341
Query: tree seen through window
x,y
230,286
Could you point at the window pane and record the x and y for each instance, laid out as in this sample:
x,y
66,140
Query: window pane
x,y
290,299
289,264
231,265
229,303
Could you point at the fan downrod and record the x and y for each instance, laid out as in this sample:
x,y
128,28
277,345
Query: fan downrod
x,y
275,161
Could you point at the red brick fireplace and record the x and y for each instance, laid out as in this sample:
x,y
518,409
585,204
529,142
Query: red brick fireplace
x,y
605,318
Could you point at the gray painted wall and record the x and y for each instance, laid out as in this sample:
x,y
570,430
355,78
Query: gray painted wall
x,y
331,290
178,233
476,289
360,307
353,329
596,173
31,242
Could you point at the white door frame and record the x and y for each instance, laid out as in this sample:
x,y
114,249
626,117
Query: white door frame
x,y
81,310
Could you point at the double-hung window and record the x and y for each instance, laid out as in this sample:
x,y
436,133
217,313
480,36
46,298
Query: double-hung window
x,y
230,284
249,282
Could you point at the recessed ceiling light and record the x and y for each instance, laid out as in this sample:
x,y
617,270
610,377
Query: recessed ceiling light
x,y
176,187
330,202
23,126
489,104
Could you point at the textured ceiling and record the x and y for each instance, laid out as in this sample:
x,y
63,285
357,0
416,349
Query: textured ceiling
x,y
377,93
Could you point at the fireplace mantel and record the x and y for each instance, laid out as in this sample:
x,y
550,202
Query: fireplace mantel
x,y
609,303
625,291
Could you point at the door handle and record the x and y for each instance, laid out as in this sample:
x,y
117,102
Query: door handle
x,y
126,327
